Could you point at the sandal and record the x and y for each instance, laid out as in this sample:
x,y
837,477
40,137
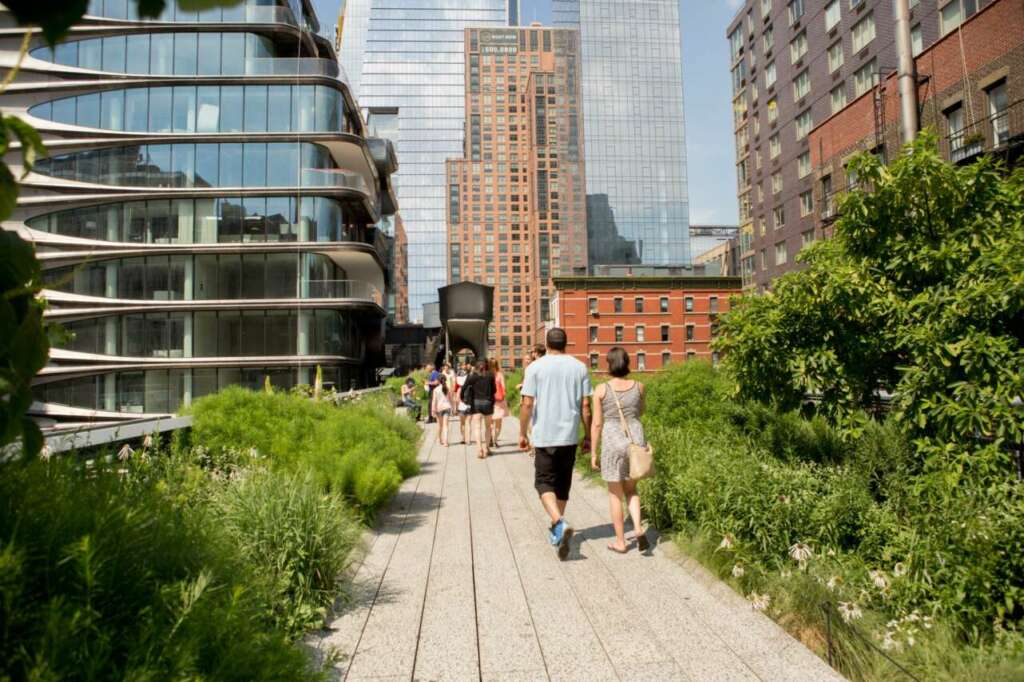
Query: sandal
x,y
613,548
642,543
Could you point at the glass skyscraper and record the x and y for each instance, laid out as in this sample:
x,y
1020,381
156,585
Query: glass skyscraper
x,y
634,135
405,61
206,213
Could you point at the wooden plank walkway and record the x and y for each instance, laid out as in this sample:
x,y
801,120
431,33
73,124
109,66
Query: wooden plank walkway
x,y
458,582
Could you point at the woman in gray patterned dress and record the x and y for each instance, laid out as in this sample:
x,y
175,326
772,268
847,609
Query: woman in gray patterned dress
x,y
608,437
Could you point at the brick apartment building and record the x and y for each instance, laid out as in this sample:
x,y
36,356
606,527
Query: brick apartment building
x,y
658,320
795,64
982,113
516,201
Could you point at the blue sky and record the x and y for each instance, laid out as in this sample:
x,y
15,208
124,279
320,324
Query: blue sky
x,y
708,111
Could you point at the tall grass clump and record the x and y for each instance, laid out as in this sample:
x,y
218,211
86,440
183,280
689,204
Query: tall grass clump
x,y
797,516
361,452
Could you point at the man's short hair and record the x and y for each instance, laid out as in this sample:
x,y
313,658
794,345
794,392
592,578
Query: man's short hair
x,y
618,362
556,339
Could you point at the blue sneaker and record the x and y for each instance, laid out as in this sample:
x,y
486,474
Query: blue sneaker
x,y
552,538
561,534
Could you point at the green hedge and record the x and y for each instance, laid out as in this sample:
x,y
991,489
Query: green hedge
x,y
745,488
205,558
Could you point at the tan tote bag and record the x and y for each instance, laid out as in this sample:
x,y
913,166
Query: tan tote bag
x,y
641,457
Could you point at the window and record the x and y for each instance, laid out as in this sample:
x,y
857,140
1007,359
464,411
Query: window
x,y
713,305
735,44
766,8
769,75
806,203
663,304
774,146
593,335
764,259
951,15
778,217
594,359
804,122
666,359
768,40
780,253
618,305
641,333
798,47
801,84
835,57
826,197
688,305
803,165
638,304
833,13
773,110
838,97
690,355
997,111
776,182
690,332
641,362
665,333
806,238
619,333
796,11
916,41
959,146
592,302
865,78
863,32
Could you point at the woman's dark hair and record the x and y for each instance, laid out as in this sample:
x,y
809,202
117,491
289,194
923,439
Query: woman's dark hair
x,y
443,385
483,367
410,382
618,362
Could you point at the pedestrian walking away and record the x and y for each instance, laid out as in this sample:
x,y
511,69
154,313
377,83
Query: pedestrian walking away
x,y
441,409
480,386
500,403
556,392
460,402
618,405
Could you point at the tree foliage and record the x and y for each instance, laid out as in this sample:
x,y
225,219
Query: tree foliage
x,y
920,294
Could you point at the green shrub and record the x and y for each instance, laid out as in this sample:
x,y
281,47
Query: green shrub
x,y
102,579
360,451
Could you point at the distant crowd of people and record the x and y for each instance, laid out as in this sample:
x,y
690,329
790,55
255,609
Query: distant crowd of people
x,y
559,414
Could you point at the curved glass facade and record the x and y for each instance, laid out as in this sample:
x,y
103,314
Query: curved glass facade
x,y
205,109
165,390
206,221
218,333
235,164
247,11
208,277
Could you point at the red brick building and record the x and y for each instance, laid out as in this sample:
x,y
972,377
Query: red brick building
x,y
657,319
970,93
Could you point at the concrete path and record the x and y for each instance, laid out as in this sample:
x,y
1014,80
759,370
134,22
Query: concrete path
x,y
459,583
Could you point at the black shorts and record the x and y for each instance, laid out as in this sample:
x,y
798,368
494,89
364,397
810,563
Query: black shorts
x,y
484,407
553,470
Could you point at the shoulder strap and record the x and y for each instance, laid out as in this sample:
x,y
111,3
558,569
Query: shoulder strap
x,y
622,415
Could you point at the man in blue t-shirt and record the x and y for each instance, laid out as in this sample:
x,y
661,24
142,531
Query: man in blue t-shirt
x,y
433,381
555,395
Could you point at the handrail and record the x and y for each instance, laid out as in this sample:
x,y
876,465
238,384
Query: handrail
x,y
992,133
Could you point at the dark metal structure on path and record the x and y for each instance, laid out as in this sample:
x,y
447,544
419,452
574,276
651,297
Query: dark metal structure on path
x,y
467,309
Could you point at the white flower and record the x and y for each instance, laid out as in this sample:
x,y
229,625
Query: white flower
x,y
759,602
738,571
899,570
46,453
830,552
122,472
147,442
879,579
833,582
726,542
125,453
849,611
800,553
254,453
910,640
785,573
889,643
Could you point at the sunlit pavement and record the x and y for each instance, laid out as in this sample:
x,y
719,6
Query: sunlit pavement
x,y
460,583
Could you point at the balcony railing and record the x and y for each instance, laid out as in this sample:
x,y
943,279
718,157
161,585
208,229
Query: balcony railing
x,y
328,178
291,66
342,288
240,14
990,134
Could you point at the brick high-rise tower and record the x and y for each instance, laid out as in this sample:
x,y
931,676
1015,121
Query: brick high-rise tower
x,y
516,201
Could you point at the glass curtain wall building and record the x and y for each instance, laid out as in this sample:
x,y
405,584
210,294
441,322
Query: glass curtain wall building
x,y
405,60
634,134
205,216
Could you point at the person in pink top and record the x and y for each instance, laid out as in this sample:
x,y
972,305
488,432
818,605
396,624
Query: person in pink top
x,y
500,403
441,409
